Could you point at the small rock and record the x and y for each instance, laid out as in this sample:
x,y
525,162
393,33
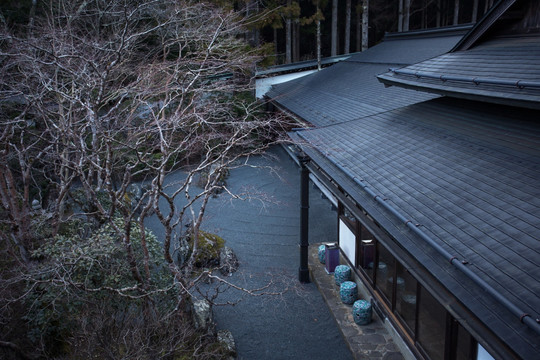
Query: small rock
x,y
226,338
136,191
183,251
228,262
36,205
202,314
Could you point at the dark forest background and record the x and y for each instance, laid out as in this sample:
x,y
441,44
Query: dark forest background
x,y
270,18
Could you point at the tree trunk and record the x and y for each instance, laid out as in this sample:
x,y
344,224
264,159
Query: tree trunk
x,y
358,28
296,41
407,15
365,25
488,5
333,48
275,46
456,12
288,30
318,16
318,43
474,11
423,20
32,15
438,14
256,31
400,17
347,48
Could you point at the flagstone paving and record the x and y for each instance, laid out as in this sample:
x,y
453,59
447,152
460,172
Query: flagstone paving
x,y
366,342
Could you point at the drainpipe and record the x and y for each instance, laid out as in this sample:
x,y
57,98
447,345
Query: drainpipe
x,y
303,271
520,84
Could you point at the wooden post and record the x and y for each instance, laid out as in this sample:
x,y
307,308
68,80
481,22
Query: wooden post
x,y
303,271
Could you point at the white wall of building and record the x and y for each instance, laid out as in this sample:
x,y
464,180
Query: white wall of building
x,y
262,85
483,354
347,242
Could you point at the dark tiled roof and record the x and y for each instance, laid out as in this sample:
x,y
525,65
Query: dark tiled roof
x,y
344,92
350,90
470,174
300,65
406,48
503,70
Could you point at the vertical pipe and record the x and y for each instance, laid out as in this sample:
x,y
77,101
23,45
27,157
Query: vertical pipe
x,y
303,271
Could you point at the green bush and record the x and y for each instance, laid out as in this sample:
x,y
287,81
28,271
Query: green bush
x,y
72,271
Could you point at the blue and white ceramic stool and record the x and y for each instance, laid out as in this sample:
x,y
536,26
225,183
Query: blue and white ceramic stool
x,y
348,292
362,312
322,254
342,273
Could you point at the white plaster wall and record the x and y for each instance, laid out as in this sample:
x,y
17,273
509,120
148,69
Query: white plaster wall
x,y
483,354
263,85
347,242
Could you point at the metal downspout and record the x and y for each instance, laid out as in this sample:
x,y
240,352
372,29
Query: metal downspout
x,y
523,317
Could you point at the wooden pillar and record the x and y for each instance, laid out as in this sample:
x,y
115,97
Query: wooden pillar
x,y
303,271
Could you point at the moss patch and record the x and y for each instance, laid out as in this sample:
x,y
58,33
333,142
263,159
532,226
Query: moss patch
x,y
209,247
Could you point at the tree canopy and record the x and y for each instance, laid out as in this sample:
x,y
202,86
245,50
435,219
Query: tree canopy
x,y
100,100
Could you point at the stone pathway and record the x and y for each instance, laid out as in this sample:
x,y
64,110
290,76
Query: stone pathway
x,y
365,342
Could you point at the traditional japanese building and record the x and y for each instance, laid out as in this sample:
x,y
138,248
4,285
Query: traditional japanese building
x,y
438,189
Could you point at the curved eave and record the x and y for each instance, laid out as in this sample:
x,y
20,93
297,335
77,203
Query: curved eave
x,y
483,95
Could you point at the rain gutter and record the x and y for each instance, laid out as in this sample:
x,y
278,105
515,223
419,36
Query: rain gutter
x,y
475,80
524,317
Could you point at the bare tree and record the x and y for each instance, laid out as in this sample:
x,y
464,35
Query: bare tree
x,y
104,101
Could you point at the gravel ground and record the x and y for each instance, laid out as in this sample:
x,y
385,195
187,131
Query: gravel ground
x,y
297,324
265,235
